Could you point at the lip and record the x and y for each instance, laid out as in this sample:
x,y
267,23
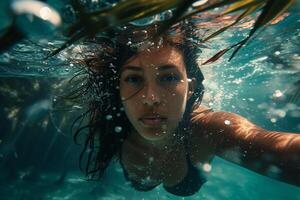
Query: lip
x,y
153,120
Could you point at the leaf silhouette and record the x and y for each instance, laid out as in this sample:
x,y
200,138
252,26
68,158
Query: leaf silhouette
x,y
270,11
216,56
126,11
240,17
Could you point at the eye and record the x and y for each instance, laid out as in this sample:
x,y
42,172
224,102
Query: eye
x,y
133,79
169,78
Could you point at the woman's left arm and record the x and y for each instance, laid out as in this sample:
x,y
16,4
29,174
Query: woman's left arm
x,y
270,153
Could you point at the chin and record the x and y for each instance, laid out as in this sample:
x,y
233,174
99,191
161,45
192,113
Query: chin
x,y
155,135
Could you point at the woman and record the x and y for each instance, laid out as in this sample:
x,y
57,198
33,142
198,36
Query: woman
x,y
147,113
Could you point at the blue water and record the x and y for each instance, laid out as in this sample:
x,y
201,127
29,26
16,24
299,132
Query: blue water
x,y
36,148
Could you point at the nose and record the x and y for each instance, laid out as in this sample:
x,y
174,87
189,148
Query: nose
x,y
151,96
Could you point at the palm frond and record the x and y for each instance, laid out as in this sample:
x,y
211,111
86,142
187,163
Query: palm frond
x,y
182,8
89,24
241,5
108,18
270,11
240,17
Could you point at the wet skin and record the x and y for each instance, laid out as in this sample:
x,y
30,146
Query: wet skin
x,y
158,80
154,88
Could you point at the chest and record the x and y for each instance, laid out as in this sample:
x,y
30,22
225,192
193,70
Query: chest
x,y
155,167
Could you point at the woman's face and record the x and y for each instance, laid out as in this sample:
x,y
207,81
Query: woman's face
x,y
154,89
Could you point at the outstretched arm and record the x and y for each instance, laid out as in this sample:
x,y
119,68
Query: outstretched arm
x,y
270,153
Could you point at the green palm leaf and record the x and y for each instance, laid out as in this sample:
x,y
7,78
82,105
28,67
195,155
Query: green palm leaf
x,y
123,12
240,5
271,11
240,17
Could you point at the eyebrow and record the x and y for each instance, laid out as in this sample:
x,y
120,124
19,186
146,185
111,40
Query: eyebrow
x,y
166,67
139,69
131,67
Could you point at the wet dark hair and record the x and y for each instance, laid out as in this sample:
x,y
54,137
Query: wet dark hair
x,y
108,124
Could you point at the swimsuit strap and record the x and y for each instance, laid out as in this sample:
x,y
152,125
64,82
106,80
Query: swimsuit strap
x,y
193,180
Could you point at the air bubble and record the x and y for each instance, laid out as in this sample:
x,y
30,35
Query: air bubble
x,y
151,159
108,117
16,155
227,122
277,93
206,167
277,53
118,129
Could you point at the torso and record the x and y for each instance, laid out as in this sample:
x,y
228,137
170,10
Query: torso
x,y
168,168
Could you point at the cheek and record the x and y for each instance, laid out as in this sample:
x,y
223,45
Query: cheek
x,y
177,101
127,107
130,109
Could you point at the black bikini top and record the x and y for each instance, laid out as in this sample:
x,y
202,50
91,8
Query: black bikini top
x,y
188,186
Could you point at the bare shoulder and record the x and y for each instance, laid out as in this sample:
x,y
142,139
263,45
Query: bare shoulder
x,y
224,130
204,117
200,112
213,132
199,121
218,129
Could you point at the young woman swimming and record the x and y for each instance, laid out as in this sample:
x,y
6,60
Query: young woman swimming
x,y
148,113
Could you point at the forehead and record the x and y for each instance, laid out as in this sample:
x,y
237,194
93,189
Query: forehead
x,y
156,56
